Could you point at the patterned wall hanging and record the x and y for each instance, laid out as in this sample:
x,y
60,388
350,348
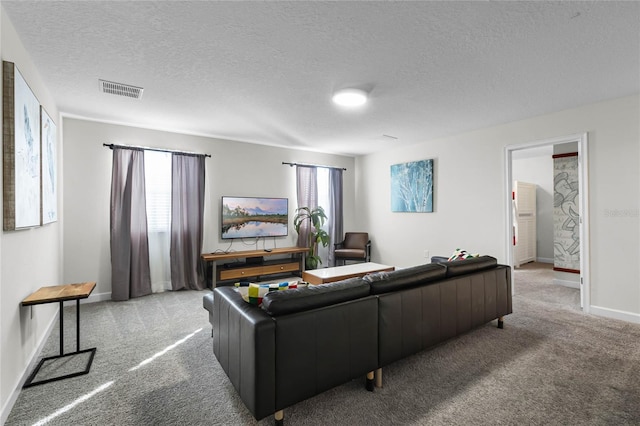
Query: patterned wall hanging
x,y
566,213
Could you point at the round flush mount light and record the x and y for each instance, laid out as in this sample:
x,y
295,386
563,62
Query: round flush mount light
x,y
350,97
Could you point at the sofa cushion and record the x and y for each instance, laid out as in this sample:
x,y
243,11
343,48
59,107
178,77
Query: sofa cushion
x,y
467,266
314,296
385,282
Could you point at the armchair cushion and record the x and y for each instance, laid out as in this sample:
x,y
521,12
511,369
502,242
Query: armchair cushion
x,y
351,253
355,240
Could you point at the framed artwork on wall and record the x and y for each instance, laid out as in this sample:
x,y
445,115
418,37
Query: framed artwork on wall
x,y
21,151
412,187
49,170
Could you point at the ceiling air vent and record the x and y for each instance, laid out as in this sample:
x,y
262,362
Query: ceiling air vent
x,y
121,89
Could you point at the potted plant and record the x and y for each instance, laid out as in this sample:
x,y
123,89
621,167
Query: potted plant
x,y
315,218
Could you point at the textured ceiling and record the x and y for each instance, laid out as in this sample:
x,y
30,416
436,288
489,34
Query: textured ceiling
x,y
264,72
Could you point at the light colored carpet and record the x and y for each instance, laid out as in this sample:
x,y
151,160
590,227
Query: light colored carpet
x,y
550,365
534,281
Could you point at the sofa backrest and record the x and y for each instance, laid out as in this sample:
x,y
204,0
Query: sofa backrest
x,y
314,296
319,349
385,282
468,266
417,318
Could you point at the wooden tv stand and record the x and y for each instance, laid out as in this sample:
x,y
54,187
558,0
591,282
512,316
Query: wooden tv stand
x,y
252,266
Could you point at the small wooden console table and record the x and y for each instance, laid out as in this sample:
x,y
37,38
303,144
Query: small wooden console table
x,y
253,264
60,293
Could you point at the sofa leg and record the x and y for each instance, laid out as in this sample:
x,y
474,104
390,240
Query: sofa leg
x,y
279,417
378,375
369,384
501,322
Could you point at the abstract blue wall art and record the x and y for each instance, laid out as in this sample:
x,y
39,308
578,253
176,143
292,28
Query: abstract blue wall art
x,y
412,187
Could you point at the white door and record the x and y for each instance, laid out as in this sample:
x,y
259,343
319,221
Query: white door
x,y
524,207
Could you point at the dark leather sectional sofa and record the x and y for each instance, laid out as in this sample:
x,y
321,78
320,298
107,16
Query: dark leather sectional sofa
x,y
303,342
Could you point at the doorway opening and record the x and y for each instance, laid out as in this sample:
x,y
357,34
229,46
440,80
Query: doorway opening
x,y
534,282
580,141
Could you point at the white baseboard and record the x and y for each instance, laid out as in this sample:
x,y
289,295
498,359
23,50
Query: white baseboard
x,y
98,297
615,314
93,298
34,359
544,260
567,283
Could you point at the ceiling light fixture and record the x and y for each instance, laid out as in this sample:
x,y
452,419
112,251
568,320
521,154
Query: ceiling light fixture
x,y
350,97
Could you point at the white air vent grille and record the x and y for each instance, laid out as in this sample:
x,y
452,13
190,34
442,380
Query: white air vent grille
x,y
120,89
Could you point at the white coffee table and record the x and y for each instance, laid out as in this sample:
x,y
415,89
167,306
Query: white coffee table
x,y
337,273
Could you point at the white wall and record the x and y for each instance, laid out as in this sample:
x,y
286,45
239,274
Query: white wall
x,y
235,169
470,199
539,170
30,258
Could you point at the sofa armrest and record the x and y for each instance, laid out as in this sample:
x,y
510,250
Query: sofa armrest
x,y
244,344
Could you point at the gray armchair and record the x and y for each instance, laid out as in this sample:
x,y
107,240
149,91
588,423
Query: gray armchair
x,y
356,246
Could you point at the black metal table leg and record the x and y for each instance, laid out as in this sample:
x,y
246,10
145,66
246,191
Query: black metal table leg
x,y
61,328
77,325
92,352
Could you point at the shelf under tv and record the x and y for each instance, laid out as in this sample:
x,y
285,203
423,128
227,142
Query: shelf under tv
x,y
250,268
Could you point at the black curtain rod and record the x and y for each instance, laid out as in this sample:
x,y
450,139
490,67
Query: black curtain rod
x,y
111,146
313,165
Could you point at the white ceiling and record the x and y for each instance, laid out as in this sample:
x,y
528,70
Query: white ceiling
x,y
264,72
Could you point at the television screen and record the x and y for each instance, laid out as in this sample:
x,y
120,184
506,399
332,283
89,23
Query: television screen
x,y
252,217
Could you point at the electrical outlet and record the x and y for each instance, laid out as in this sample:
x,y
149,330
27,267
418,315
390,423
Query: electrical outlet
x,y
426,254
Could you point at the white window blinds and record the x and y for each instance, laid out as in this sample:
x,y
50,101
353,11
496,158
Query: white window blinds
x,y
157,174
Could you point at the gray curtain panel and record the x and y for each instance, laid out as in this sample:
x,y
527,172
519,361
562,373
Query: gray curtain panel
x,y
187,214
335,211
307,192
130,274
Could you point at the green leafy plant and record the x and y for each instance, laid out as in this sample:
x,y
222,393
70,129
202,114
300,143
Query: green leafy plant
x,y
315,218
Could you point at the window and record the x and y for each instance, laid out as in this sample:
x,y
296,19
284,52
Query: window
x,y
322,186
157,175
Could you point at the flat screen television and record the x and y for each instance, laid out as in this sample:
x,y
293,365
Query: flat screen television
x,y
253,217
